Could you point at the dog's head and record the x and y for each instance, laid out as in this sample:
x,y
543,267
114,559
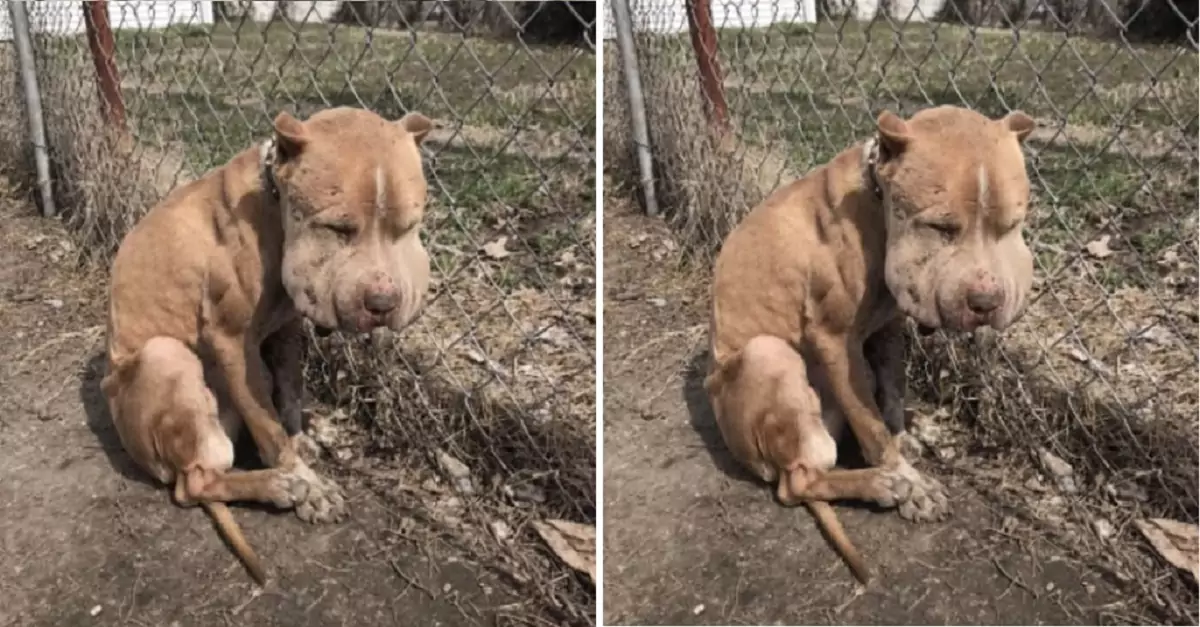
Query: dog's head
x,y
956,196
352,196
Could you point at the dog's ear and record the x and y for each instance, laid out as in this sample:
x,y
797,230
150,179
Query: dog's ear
x,y
1019,123
290,136
893,135
416,124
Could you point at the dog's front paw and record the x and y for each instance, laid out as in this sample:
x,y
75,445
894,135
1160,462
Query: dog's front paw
x,y
892,488
287,490
325,502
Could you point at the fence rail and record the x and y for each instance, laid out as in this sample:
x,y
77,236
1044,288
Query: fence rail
x,y
498,372
1102,370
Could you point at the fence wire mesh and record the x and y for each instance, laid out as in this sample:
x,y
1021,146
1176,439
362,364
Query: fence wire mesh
x,y
498,371
1102,370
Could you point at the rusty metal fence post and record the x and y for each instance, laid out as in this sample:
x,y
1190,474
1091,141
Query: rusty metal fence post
x,y
103,47
704,42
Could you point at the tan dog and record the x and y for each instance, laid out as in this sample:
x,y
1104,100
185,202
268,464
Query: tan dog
x,y
811,289
208,290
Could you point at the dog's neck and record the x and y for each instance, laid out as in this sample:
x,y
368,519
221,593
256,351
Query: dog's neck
x,y
883,303
278,303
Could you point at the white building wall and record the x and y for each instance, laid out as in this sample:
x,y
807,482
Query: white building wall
x,y
670,16
66,18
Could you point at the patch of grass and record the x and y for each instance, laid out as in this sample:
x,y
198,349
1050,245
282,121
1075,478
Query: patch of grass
x,y
1052,75
308,67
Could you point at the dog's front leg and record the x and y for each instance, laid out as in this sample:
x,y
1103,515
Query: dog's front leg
x,y
283,352
249,383
851,384
884,352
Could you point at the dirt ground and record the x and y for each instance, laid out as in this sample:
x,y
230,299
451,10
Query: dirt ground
x,y
689,539
86,540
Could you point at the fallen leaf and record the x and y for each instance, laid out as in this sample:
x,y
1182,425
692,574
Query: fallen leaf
x,y
495,248
573,543
1175,541
1099,248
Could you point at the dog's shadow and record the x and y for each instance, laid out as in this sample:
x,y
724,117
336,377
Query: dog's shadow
x,y
100,423
704,423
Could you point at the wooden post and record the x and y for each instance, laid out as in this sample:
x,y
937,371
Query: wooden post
x,y
704,42
100,40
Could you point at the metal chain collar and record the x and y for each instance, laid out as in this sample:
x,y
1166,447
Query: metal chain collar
x,y
266,162
871,166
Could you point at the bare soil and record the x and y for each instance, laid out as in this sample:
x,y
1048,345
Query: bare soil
x,y
690,539
87,540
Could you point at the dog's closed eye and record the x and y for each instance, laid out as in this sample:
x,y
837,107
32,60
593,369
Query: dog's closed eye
x,y
342,229
948,230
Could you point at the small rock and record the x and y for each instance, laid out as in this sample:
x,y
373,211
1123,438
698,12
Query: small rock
x,y
947,453
54,303
322,431
501,530
1103,528
698,610
1158,334
95,611
1050,586
496,248
557,336
1127,490
447,587
1035,484
431,485
657,302
1062,472
458,472
525,494
1099,248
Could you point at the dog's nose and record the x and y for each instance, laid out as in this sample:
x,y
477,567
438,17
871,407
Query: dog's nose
x,y
984,301
380,302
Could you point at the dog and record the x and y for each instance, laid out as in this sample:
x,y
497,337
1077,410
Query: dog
x,y
209,291
811,290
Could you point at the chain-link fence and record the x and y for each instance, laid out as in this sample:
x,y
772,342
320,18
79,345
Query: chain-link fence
x,y
1102,370
498,371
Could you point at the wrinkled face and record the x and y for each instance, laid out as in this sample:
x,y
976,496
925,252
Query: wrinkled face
x,y
352,196
956,193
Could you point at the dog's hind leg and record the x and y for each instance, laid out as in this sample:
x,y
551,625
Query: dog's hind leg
x,y
168,422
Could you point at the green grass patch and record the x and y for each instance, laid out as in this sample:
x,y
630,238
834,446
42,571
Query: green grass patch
x,y
305,68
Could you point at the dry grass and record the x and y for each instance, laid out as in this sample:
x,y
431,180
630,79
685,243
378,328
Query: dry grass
x,y
1102,369
498,372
